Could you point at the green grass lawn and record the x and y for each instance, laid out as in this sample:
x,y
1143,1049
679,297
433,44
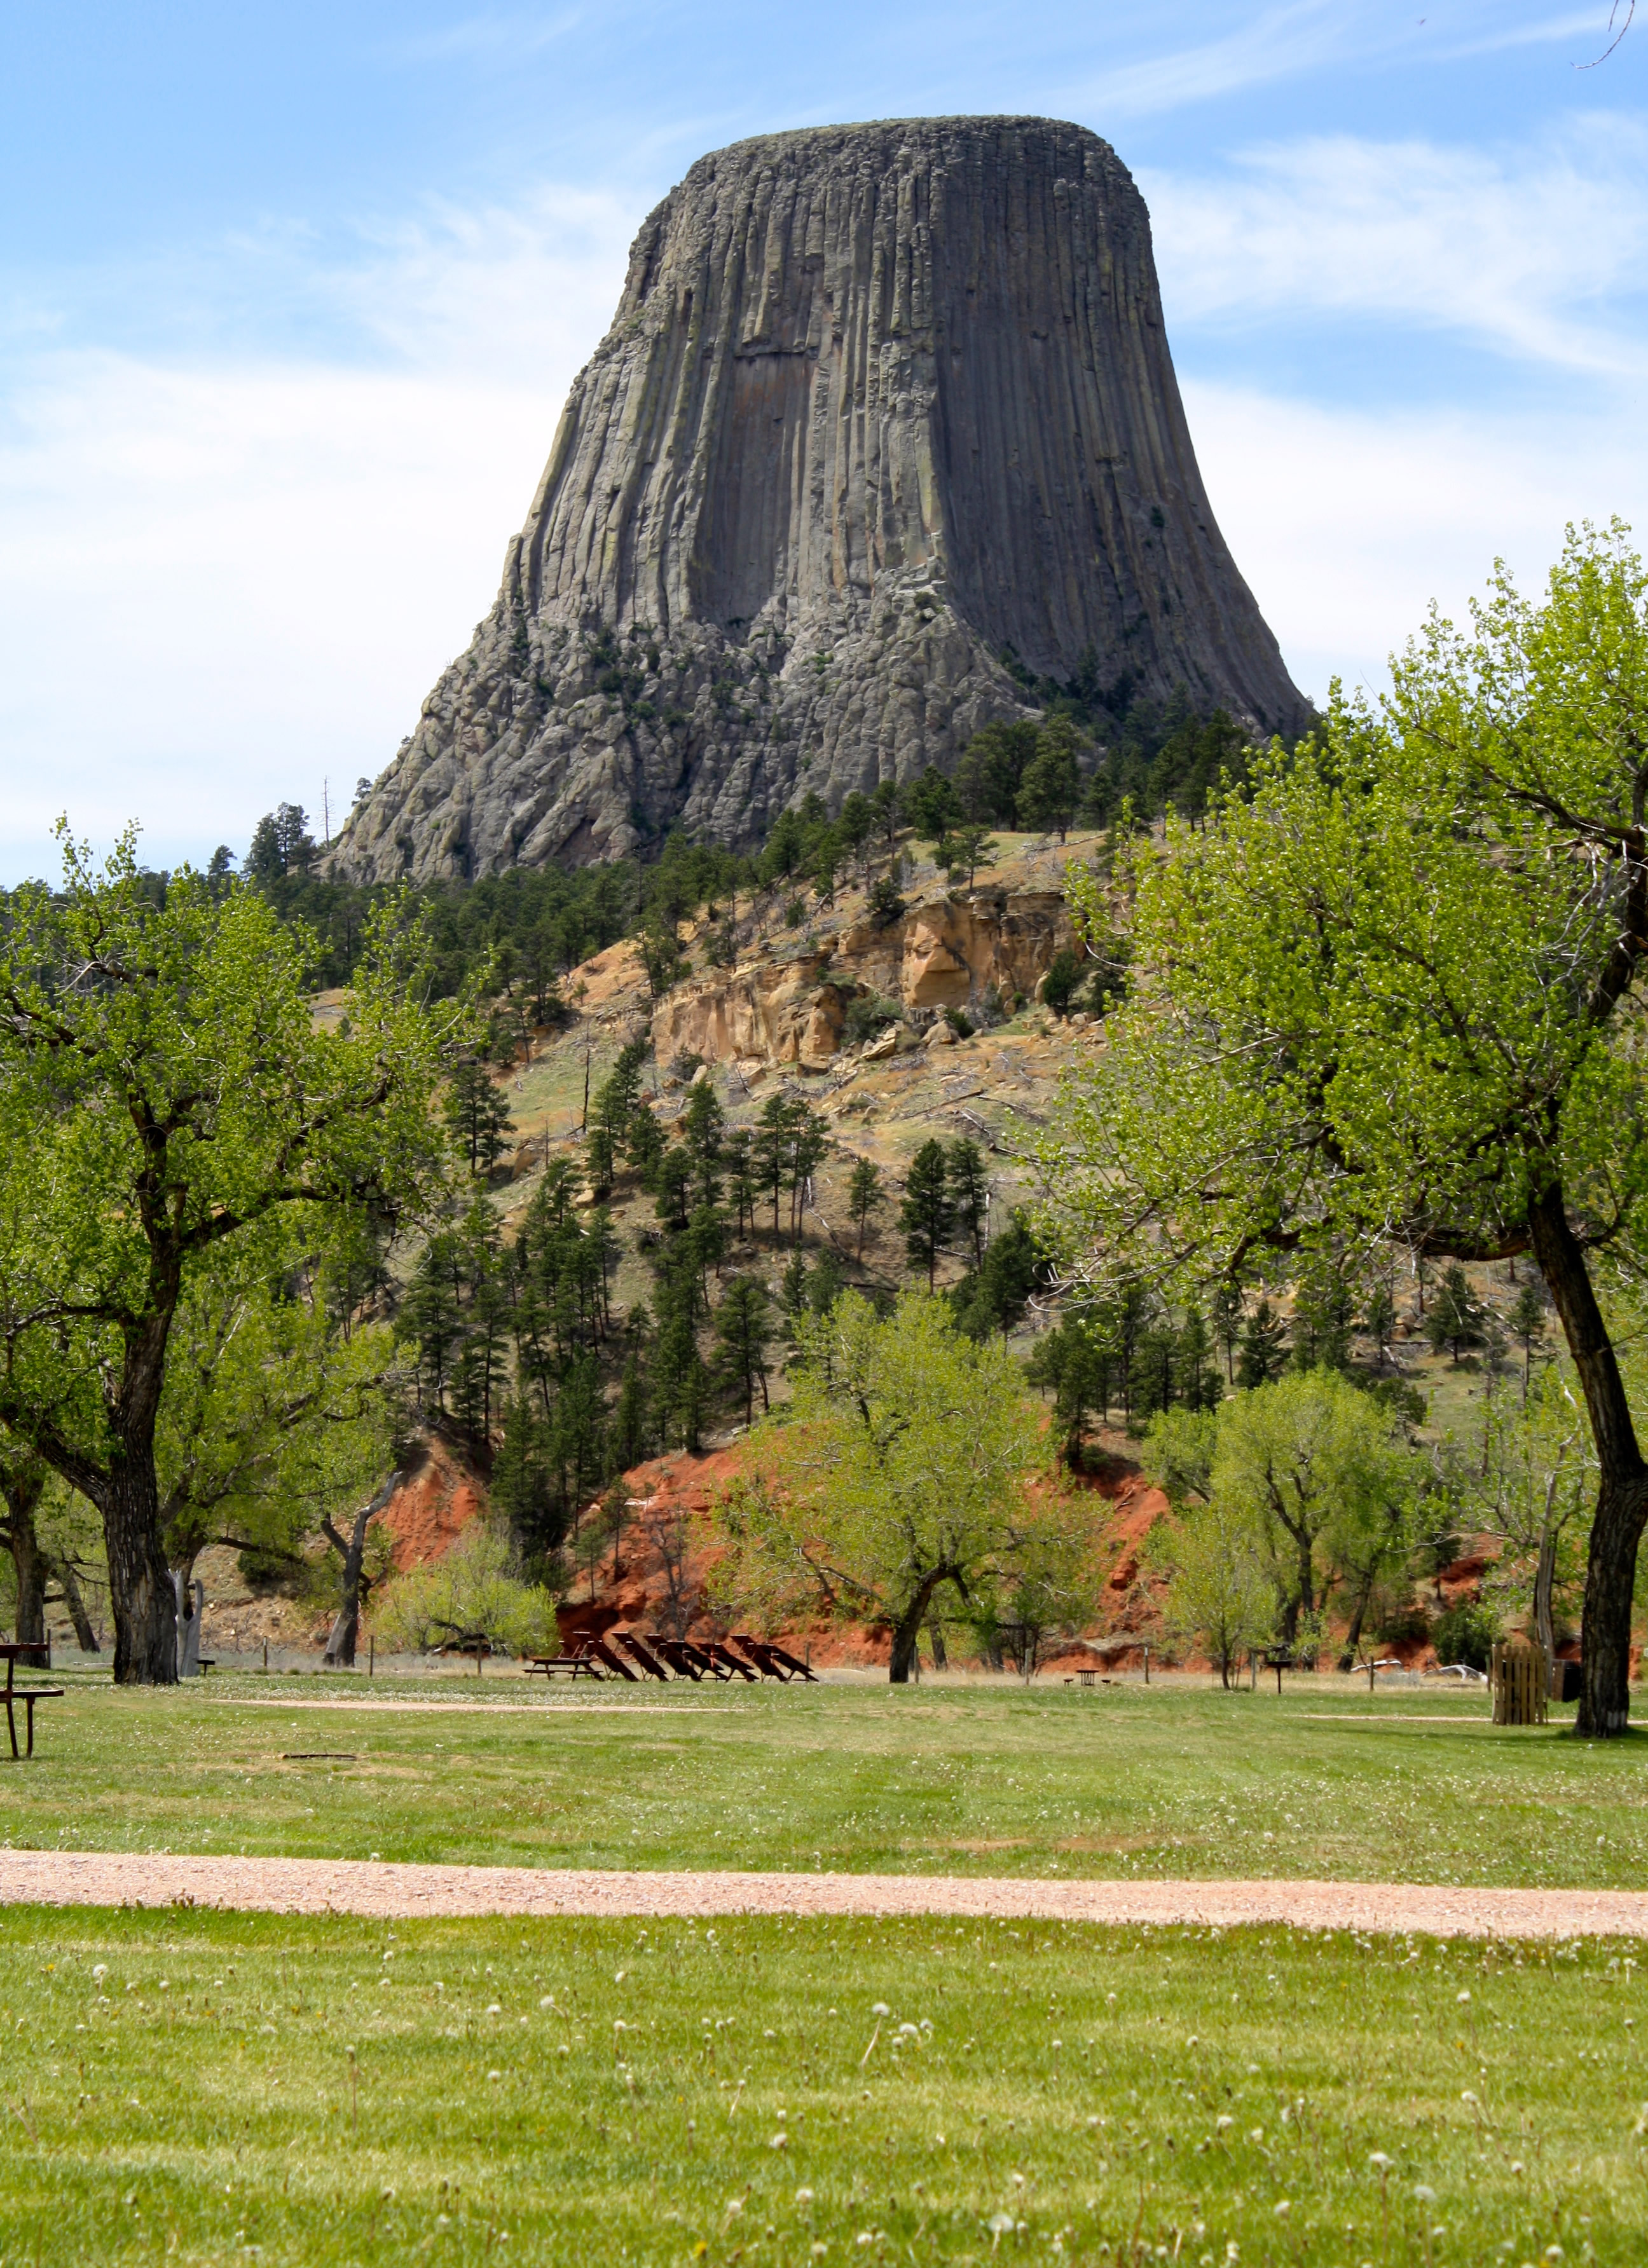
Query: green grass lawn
x,y
1119,1781
201,2087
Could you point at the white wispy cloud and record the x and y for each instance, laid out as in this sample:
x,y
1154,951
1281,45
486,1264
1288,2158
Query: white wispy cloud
x,y
1349,523
1538,254
225,578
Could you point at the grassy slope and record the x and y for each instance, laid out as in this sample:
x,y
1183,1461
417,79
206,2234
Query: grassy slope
x,y
339,2091
937,1779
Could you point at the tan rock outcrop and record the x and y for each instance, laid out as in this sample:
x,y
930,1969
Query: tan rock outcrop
x,y
881,404
946,952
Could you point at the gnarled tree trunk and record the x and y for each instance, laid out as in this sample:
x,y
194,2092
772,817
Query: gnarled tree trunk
x,y
140,1598
85,1636
1622,1489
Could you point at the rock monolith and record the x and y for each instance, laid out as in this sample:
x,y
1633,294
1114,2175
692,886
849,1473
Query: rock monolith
x,y
886,420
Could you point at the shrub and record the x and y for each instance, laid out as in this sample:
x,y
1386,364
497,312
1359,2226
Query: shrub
x,y
1059,986
1402,1626
468,1593
884,903
1467,1633
868,1014
957,1021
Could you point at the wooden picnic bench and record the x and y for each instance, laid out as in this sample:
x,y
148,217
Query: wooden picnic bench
x,y
37,1655
637,1651
557,1665
716,1652
772,1660
684,1660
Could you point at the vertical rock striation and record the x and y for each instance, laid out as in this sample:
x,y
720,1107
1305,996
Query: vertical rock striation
x,y
880,403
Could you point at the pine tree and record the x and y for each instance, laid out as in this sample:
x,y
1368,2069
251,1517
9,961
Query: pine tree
x,y
865,1196
1262,1350
1528,1324
1379,1320
477,1116
743,1328
1050,787
994,1296
1227,1306
926,1214
1457,1317
1196,1382
1073,1361
1323,1315
969,1192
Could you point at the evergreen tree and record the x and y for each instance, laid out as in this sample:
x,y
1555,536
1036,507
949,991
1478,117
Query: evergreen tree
x,y
994,1296
1051,786
865,1196
969,1192
743,1328
738,1157
1262,1349
1196,1382
1457,1318
1324,1314
1072,1362
643,1146
630,1435
1379,1320
925,1215
1528,1325
932,805
1227,1308
477,1117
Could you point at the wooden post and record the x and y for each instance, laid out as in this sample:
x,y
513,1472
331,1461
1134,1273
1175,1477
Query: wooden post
x,y
266,1657
1369,1677
1147,1665
372,1657
1278,1667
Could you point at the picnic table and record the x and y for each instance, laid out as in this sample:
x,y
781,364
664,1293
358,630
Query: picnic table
x,y
36,1653
554,1665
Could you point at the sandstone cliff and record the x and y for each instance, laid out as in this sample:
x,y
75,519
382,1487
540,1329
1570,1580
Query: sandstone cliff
x,y
949,951
880,403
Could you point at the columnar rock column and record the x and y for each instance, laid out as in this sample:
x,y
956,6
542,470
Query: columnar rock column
x,y
882,406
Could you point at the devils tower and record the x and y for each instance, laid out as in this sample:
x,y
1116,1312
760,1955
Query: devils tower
x,y
881,405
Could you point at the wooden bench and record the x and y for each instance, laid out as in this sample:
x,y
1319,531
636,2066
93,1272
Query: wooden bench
x,y
557,1665
772,1660
38,1656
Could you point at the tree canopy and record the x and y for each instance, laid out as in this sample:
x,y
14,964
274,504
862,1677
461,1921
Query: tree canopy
x,y
1394,992
164,1089
899,1470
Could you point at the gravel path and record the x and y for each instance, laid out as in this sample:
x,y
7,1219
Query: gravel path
x,y
357,1886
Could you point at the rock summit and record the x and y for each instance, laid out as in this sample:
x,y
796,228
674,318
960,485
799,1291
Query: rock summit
x,y
885,428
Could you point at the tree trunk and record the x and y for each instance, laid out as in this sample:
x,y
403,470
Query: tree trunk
x,y
85,1636
30,1562
340,1646
140,1598
1623,1488
936,1632
907,1630
1544,1584
1353,1636
22,1484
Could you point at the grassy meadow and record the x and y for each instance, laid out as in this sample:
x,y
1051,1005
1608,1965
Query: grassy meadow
x,y
944,1778
200,2087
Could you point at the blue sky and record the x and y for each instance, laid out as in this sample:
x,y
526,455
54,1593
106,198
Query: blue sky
x,y
290,298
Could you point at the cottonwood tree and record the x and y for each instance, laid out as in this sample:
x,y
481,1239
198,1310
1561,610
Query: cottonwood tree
x,y
163,1090
900,1472
1397,992
1220,1594
1318,1470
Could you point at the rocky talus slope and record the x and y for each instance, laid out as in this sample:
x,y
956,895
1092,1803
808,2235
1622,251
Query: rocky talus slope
x,y
879,404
